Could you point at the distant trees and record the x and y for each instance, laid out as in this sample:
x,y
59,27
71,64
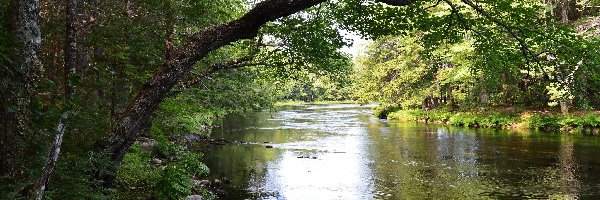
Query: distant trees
x,y
554,68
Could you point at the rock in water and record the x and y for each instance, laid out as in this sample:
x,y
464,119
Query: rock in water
x,y
193,197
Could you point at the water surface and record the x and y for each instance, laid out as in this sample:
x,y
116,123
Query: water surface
x,y
342,152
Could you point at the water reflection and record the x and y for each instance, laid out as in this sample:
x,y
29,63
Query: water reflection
x,y
341,152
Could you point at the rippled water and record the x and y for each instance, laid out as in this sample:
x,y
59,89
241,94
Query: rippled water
x,y
342,152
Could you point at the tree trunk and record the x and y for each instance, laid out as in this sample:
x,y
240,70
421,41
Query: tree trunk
x,y
42,182
551,3
70,46
128,127
21,81
564,106
564,11
69,71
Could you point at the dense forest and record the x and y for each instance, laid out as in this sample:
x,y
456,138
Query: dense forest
x,y
101,98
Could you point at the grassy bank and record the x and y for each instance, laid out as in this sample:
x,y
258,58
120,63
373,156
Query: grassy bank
x,y
580,122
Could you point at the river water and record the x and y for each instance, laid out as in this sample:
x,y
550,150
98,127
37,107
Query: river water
x,y
342,152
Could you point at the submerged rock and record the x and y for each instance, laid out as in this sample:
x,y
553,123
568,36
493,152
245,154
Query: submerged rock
x,y
194,197
189,138
269,146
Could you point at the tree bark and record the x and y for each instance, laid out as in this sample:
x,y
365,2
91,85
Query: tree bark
x,y
564,11
69,70
70,46
551,3
42,182
21,81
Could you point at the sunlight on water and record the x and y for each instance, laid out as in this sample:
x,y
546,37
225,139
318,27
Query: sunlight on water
x,y
342,152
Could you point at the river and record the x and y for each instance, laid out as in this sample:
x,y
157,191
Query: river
x,y
341,151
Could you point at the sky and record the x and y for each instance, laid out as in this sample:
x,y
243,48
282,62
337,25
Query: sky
x,y
357,46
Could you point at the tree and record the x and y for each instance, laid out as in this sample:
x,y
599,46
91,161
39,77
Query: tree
x,y
19,81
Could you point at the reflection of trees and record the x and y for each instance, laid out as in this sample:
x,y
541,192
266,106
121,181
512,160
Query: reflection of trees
x,y
246,166
568,167
414,161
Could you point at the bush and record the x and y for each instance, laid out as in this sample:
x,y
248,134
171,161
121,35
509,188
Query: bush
x,y
382,111
461,119
173,184
192,164
439,116
136,175
543,122
496,121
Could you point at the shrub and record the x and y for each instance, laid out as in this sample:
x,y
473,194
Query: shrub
x,y
496,121
543,122
382,111
192,164
173,184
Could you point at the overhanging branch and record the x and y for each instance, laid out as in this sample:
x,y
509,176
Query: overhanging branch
x,y
524,48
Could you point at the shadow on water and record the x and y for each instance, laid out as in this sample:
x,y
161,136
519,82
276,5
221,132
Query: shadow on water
x,y
342,152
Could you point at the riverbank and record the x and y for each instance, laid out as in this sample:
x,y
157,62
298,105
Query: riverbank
x,y
577,122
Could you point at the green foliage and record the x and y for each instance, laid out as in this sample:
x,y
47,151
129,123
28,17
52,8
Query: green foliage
x,y
75,172
382,111
192,164
173,184
473,60
397,70
464,120
136,175
543,122
311,87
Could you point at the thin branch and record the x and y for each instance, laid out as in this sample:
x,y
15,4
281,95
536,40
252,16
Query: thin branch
x,y
396,2
434,5
524,48
460,18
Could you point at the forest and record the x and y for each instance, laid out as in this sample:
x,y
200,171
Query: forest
x,y
88,86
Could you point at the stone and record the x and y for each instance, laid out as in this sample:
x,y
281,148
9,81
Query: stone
x,y
156,161
194,197
189,138
147,144
201,183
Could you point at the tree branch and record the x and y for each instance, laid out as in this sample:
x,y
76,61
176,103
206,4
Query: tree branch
x,y
460,18
396,2
524,48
